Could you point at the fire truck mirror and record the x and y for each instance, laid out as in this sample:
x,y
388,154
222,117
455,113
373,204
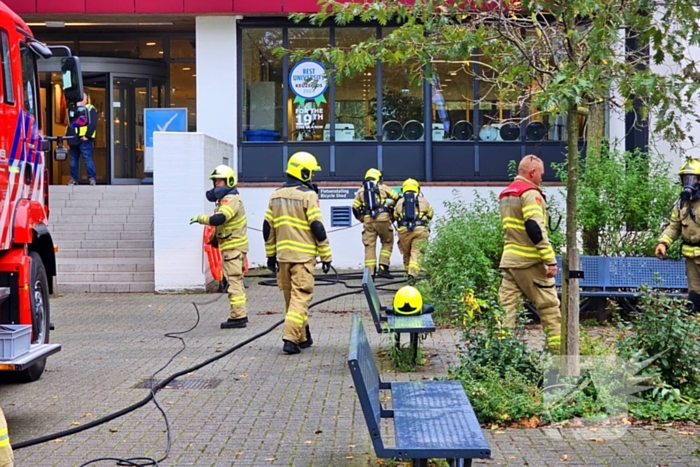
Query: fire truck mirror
x,y
72,79
61,153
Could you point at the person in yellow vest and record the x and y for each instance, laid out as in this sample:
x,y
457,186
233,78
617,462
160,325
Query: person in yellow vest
x,y
294,236
412,214
7,457
81,141
528,261
372,207
231,236
684,223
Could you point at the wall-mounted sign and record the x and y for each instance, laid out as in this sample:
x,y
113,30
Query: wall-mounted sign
x,y
168,119
307,80
337,193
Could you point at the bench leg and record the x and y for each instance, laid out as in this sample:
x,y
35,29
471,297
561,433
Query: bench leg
x,y
414,347
420,462
459,462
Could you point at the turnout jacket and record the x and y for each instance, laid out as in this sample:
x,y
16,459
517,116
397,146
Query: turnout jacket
x,y
293,227
384,214
682,224
232,234
424,213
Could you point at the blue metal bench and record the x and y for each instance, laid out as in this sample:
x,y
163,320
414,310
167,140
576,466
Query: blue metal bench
x,y
432,419
413,325
621,277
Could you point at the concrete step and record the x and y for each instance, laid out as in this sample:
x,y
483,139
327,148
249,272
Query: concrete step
x,y
102,219
104,244
61,237
100,203
107,287
88,265
104,277
103,210
105,253
86,226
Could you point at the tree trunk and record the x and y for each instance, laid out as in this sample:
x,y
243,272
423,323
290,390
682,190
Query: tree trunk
x,y
570,330
595,127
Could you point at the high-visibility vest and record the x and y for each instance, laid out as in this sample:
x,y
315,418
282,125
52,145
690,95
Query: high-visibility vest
x,y
82,131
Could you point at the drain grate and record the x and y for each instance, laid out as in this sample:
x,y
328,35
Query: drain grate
x,y
180,384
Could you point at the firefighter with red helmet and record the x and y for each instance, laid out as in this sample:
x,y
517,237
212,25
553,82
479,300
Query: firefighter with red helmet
x,y
412,214
294,236
231,236
372,206
685,224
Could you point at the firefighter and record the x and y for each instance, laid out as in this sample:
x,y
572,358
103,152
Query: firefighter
x,y
81,141
528,262
231,237
7,457
412,214
372,206
294,236
684,222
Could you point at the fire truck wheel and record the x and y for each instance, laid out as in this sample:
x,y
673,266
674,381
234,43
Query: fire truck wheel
x,y
39,303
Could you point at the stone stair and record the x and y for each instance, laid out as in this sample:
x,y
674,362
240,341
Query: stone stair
x,y
104,236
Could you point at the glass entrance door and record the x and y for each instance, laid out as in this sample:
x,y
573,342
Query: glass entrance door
x,y
130,96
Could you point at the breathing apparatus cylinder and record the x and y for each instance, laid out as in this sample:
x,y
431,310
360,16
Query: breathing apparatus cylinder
x,y
370,194
409,207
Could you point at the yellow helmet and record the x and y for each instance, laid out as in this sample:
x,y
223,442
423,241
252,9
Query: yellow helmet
x,y
301,165
408,301
410,185
224,172
373,174
690,167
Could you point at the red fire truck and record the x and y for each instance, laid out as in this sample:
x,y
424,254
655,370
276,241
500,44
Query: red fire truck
x,y
27,252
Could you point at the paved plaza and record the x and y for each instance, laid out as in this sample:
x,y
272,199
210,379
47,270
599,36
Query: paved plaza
x,y
256,406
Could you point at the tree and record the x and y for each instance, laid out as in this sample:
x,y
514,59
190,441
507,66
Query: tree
x,y
563,57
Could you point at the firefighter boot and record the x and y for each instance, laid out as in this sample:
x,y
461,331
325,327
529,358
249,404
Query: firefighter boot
x,y
235,323
290,347
309,341
384,272
695,300
411,280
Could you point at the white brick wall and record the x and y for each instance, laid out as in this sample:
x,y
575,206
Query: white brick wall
x,y
182,163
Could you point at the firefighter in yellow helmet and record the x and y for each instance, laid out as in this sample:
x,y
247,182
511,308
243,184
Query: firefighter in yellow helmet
x,y
409,301
294,236
231,235
684,223
7,457
528,261
412,214
372,207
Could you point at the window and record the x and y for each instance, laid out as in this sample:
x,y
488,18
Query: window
x,y
29,87
8,88
353,96
453,101
262,85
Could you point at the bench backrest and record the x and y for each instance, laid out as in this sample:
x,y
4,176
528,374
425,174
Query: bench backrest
x,y
375,304
629,272
365,376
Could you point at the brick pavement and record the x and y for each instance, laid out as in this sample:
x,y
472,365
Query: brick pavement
x,y
268,408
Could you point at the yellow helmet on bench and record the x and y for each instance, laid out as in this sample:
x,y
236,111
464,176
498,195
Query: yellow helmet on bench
x,y
408,301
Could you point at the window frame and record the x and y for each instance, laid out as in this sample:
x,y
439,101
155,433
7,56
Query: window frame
x,y
8,90
23,46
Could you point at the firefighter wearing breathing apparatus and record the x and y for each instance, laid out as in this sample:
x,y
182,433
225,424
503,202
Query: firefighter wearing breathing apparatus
x,y
528,262
412,214
685,223
231,236
7,457
372,206
294,236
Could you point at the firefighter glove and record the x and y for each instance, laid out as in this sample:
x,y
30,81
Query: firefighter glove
x,y
201,219
326,266
661,251
272,264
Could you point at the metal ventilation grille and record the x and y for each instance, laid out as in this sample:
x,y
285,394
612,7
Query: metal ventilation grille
x,y
340,216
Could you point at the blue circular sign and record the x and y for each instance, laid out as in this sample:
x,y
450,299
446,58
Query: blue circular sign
x,y
307,79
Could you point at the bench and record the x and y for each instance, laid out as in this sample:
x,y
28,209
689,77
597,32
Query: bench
x,y
621,277
431,419
413,325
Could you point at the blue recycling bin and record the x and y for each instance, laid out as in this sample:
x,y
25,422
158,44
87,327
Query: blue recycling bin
x,y
261,135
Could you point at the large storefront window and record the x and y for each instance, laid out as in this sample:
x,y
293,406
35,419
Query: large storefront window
x,y
453,101
183,87
262,85
356,97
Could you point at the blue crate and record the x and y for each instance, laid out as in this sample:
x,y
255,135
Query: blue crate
x,y
15,340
